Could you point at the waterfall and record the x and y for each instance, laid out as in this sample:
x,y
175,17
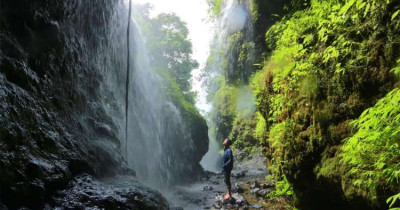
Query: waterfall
x,y
159,143
127,78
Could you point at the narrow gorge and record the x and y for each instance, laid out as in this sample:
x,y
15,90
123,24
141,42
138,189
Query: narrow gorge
x,y
125,104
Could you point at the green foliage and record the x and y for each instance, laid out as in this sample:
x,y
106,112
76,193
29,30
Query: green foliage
x,y
243,130
224,109
254,7
234,117
329,62
392,200
260,132
372,154
173,91
239,58
396,70
170,51
395,14
276,145
172,48
282,188
168,45
215,7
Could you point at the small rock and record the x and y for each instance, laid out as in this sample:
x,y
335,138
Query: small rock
x,y
255,184
256,206
268,184
239,175
230,200
207,188
264,192
237,189
217,206
240,199
255,190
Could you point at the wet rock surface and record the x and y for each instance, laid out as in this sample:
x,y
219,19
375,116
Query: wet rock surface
x,y
45,130
53,125
248,189
120,192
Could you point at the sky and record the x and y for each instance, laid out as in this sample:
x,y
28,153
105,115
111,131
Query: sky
x,y
194,13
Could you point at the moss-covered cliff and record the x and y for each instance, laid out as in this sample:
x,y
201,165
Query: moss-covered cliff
x,y
330,62
324,63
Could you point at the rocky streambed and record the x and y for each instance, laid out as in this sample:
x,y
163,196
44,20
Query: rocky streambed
x,y
249,189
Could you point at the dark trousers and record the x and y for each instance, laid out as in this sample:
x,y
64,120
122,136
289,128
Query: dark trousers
x,y
227,178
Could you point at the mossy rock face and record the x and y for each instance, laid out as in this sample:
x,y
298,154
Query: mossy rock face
x,y
243,132
315,83
339,132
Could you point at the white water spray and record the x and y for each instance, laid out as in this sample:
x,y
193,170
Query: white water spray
x,y
160,146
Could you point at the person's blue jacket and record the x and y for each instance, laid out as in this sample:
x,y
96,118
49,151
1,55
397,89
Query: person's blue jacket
x,y
227,160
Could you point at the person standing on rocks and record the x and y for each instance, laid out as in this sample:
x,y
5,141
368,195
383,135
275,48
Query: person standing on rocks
x,y
227,165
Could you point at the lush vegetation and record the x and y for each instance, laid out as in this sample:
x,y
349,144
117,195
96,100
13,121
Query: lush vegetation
x,y
329,63
371,155
327,100
168,46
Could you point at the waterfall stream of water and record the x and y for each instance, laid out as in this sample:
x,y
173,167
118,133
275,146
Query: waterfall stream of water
x,y
159,145
127,79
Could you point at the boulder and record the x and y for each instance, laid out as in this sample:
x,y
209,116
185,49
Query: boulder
x,y
121,192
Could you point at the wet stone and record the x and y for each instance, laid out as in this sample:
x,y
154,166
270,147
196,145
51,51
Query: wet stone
x,y
239,175
255,191
256,206
207,188
255,184
268,184
264,192
237,189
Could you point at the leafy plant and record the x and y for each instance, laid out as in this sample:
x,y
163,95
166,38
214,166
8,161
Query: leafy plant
x,y
396,70
392,200
282,188
372,154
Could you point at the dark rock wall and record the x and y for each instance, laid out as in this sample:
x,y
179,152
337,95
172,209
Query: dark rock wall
x,y
49,93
